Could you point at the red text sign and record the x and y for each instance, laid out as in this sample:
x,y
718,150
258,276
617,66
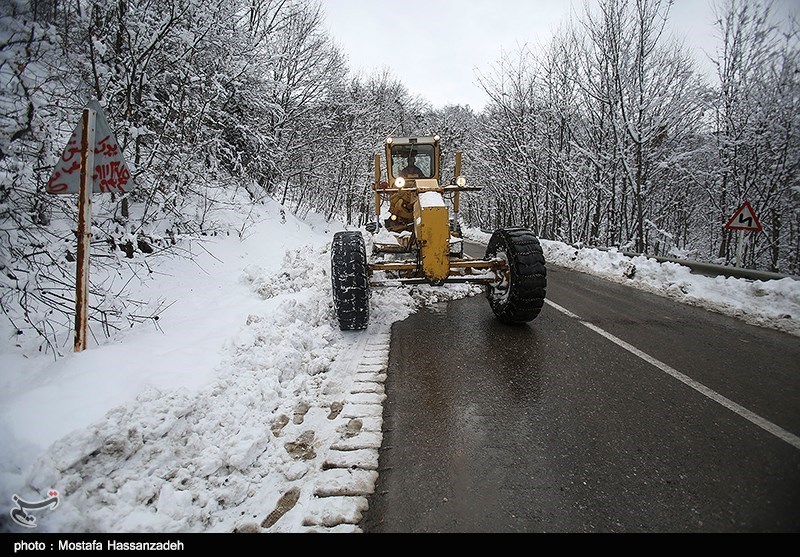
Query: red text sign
x,y
110,173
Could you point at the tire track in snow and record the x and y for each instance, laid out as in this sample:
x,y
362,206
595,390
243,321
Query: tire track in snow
x,y
349,470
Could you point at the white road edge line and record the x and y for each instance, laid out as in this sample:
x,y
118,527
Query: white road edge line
x,y
764,424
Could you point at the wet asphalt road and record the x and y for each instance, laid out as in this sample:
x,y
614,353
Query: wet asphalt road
x,y
552,427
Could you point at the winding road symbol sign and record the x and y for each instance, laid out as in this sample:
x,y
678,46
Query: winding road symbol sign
x,y
744,219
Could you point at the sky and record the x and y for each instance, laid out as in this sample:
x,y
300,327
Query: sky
x,y
247,409
454,40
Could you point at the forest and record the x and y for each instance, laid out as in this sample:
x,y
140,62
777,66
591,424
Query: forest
x,y
610,135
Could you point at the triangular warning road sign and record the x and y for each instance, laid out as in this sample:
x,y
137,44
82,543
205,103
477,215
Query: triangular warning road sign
x,y
744,219
110,174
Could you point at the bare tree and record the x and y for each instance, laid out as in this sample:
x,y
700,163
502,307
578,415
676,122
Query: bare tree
x,y
756,127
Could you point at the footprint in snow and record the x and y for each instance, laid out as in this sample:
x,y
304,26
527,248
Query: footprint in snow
x,y
286,503
300,412
303,447
278,424
336,409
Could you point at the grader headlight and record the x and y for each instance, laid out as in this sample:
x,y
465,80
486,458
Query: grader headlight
x,y
461,181
399,182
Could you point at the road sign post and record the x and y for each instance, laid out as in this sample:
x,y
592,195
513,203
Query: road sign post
x,y
84,228
743,219
88,165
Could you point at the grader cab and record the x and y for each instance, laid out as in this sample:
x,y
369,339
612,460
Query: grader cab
x,y
420,241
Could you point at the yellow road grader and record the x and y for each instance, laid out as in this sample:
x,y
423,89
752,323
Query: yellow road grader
x,y
421,242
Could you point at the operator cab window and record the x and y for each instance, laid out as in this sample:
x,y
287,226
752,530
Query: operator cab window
x,y
421,157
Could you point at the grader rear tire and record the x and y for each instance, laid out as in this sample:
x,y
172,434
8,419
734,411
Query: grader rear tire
x,y
350,280
520,297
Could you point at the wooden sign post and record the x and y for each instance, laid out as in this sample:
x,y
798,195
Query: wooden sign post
x,y
84,228
88,165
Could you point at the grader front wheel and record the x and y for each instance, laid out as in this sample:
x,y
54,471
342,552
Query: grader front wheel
x,y
519,297
350,280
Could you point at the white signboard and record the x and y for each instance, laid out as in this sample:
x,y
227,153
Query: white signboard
x,y
744,219
110,174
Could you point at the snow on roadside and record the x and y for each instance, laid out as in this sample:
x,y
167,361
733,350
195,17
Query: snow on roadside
x,y
270,418
773,304
283,439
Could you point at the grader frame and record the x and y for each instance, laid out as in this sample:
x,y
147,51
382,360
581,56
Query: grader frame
x,y
421,242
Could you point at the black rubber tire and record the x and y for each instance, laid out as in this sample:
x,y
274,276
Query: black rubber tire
x,y
522,299
350,280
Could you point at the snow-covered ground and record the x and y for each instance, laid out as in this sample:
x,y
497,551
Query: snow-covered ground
x,y
247,409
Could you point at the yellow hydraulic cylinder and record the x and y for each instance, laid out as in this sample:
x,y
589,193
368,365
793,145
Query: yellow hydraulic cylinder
x,y
432,229
456,196
377,187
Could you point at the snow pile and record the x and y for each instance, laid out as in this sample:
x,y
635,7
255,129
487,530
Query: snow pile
x,y
172,461
243,450
777,302
297,273
774,303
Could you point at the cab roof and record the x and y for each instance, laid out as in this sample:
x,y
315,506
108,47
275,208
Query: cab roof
x,y
425,140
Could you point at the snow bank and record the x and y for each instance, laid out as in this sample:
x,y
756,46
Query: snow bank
x,y
774,304
242,449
